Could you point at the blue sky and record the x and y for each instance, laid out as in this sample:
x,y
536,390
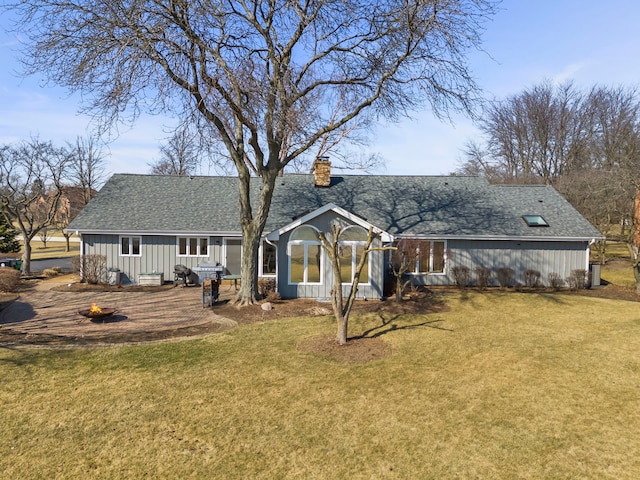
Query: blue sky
x,y
589,42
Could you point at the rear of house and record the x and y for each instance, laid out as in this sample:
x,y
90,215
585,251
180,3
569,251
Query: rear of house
x,y
149,224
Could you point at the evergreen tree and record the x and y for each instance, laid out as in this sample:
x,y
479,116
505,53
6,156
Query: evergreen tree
x,y
8,234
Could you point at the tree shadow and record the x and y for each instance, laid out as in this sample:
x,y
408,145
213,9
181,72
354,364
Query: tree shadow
x,y
387,326
17,312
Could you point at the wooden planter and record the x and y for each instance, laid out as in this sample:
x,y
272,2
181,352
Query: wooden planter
x,y
153,278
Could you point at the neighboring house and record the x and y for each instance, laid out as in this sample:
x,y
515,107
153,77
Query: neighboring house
x,y
146,223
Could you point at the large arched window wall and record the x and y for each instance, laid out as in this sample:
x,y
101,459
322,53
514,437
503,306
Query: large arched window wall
x,y
305,256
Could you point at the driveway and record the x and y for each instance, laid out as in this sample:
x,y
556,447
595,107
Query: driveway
x,y
41,310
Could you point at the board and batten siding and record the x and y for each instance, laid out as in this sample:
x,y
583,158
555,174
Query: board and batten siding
x,y
372,290
544,256
159,254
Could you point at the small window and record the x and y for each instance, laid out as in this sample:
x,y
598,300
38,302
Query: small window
x,y
535,220
193,246
268,260
130,246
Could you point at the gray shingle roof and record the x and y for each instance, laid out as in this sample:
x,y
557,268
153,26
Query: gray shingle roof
x,y
410,205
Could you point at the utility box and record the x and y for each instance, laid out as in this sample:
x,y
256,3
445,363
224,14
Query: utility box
x,y
113,276
594,275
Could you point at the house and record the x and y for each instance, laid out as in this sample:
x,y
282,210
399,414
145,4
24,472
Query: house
x,y
147,223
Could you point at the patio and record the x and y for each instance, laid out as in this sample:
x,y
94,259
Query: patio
x,y
42,311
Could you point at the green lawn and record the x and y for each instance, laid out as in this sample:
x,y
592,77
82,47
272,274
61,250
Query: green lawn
x,y
502,385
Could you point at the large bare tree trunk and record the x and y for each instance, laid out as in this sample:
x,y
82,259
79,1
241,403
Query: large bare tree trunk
x,y
252,228
25,269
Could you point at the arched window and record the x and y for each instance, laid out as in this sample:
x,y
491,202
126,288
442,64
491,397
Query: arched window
x,y
305,256
351,248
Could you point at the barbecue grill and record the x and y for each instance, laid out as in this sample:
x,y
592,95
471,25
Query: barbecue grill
x,y
182,274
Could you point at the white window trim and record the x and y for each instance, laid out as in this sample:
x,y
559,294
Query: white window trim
x,y
431,272
261,263
306,244
199,253
130,237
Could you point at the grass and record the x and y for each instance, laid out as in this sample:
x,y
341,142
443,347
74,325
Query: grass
x,y
503,385
54,250
618,270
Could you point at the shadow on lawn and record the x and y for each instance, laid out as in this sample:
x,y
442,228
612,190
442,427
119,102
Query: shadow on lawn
x,y
551,296
387,327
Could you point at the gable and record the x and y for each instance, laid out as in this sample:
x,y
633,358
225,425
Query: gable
x,y
322,217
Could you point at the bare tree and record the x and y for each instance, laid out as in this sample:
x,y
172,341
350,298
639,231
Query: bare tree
x,y
548,132
634,242
403,260
330,243
598,195
86,173
86,167
269,79
535,136
586,144
181,155
31,176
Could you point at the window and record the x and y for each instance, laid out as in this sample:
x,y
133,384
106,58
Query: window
x,y
267,260
130,246
535,220
193,246
351,248
429,255
305,256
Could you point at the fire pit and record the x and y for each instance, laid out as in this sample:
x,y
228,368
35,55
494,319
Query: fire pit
x,y
97,312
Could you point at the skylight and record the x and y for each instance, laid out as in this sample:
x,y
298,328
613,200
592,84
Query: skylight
x,y
535,220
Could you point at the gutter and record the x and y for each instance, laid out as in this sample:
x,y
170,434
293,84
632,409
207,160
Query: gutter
x,y
519,238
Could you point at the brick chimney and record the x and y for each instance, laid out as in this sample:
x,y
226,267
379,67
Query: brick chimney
x,y
322,171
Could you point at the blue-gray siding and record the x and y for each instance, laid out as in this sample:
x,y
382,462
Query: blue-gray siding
x,y
544,256
159,254
373,289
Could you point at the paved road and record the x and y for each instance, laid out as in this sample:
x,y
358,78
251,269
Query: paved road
x,y
40,265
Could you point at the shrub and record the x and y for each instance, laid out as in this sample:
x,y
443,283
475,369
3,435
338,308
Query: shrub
x,y
483,274
555,281
505,276
9,279
267,289
52,272
75,264
461,275
577,280
93,268
532,278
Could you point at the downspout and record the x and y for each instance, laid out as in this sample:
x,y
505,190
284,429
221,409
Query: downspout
x,y
80,263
